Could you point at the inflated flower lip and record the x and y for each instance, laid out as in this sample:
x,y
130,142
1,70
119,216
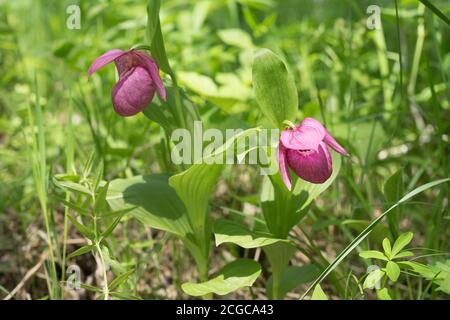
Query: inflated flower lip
x,y
304,149
138,80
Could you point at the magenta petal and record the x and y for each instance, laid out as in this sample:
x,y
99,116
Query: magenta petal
x,y
307,136
313,166
104,59
153,70
124,63
133,92
292,140
333,144
284,170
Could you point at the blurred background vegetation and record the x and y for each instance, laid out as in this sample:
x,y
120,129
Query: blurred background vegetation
x,y
390,111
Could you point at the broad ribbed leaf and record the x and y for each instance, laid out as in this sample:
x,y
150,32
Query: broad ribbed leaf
x,y
152,18
165,112
157,204
229,231
235,275
194,187
279,254
274,88
292,277
155,37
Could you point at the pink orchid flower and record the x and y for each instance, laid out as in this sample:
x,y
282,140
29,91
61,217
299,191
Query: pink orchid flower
x,y
304,150
138,80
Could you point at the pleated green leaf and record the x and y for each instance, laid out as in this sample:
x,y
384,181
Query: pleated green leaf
x,y
235,275
274,88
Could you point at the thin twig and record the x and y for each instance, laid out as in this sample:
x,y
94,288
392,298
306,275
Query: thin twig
x,y
27,276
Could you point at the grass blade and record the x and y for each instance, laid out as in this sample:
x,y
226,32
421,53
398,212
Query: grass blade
x,y
436,11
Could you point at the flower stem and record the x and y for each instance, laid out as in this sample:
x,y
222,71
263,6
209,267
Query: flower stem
x,y
105,277
276,285
178,103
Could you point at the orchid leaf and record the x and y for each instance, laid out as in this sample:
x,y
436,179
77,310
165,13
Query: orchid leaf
x,y
194,187
274,88
155,37
156,202
235,275
231,232
165,113
153,7
279,254
292,277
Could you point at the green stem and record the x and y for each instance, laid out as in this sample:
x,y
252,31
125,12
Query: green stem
x,y
69,163
276,277
203,278
178,104
105,277
202,267
40,176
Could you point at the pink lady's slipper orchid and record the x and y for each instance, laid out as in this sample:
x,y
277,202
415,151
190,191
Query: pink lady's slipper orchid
x,y
304,150
138,80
